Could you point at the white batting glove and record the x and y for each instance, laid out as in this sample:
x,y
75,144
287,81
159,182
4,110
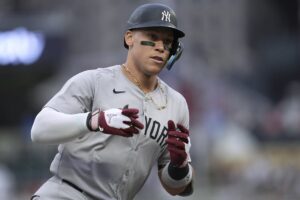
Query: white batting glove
x,y
115,121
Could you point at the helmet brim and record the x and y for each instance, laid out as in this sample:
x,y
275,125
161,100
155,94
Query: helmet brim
x,y
148,25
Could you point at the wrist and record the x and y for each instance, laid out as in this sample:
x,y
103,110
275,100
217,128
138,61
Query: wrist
x,y
92,121
177,173
176,177
182,165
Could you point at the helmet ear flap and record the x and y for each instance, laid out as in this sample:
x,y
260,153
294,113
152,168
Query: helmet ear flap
x,y
174,47
175,54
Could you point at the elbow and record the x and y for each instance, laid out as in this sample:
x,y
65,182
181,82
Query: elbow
x,y
39,136
35,134
37,130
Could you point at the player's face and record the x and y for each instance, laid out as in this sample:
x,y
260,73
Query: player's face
x,y
150,49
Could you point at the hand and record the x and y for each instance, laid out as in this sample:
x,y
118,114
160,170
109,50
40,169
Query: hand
x,y
115,121
176,144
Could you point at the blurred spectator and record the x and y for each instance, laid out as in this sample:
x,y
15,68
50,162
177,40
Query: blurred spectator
x,y
290,108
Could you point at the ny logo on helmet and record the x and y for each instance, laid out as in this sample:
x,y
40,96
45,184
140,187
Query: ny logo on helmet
x,y
165,15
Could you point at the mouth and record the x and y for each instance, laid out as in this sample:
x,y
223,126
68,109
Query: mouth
x,y
157,59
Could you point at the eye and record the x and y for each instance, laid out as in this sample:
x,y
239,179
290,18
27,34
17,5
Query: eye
x,y
153,36
168,44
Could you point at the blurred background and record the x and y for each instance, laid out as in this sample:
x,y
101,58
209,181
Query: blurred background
x,y
239,73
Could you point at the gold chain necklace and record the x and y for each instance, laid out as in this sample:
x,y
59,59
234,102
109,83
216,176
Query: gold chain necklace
x,y
137,83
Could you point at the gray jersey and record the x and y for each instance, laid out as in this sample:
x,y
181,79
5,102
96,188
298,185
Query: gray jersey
x,y
108,166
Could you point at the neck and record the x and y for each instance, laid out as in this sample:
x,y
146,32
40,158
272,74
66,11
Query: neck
x,y
145,82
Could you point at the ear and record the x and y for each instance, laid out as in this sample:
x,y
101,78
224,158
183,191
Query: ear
x,y
128,38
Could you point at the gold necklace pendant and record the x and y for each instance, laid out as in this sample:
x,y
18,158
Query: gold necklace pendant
x,y
137,83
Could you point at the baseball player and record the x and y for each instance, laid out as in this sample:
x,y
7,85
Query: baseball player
x,y
113,124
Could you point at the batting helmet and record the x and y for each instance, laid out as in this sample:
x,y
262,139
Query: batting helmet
x,y
157,15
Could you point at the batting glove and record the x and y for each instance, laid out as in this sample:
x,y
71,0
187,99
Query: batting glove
x,y
176,142
115,121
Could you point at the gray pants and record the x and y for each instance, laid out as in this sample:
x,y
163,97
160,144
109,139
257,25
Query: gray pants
x,y
56,189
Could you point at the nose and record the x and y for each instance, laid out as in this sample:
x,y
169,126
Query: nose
x,y
159,45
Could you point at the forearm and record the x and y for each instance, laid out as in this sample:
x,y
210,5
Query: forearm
x,y
53,127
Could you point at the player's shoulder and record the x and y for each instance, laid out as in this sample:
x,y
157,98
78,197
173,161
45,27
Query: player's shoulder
x,y
107,72
99,72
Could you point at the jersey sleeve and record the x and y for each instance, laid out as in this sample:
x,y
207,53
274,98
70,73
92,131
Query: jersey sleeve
x,y
76,96
183,119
